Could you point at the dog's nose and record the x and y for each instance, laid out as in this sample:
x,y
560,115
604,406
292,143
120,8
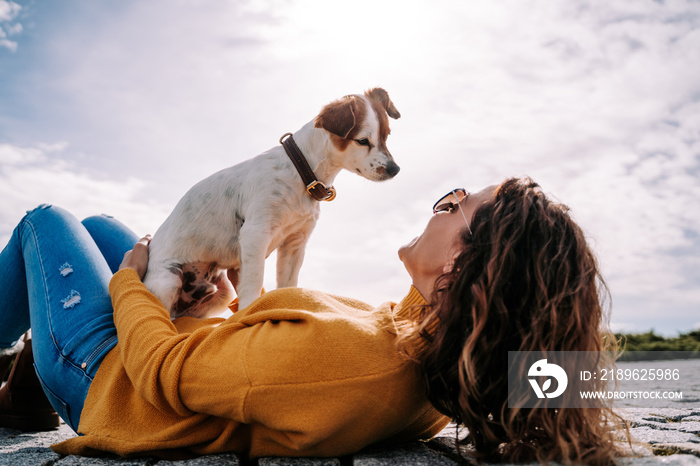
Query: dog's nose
x,y
392,169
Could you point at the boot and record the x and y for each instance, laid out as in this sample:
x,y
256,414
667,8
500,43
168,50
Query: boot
x,y
7,357
23,404
5,364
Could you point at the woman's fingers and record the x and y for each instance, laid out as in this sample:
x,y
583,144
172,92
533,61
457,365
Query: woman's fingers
x,y
137,258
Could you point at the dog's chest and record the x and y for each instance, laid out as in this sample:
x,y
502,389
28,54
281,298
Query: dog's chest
x,y
293,225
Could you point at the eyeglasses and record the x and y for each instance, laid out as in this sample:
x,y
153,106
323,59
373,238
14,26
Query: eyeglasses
x,y
448,202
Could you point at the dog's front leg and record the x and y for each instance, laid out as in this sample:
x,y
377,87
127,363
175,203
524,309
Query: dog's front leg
x,y
254,242
290,256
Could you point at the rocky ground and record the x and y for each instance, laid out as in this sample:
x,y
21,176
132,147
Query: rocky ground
x,y
665,436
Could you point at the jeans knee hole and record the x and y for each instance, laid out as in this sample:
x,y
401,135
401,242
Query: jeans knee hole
x,y
71,300
66,269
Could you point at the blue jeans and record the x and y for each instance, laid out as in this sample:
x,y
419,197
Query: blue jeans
x,y
54,277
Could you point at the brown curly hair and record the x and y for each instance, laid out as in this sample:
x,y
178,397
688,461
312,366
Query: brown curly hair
x,y
526,280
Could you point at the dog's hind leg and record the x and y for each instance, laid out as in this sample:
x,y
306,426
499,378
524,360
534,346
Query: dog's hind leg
x,y
165,283
205,288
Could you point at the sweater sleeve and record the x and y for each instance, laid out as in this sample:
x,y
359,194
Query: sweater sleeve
x,y
304,369
152,351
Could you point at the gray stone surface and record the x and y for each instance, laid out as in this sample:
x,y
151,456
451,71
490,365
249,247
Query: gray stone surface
x,y
224,459
663,436
672,432
417,453
299,462
107,461
651,435
28,455
17,448
676,460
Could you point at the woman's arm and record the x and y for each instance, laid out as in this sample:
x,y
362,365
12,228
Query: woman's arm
x,y
150,347
152,351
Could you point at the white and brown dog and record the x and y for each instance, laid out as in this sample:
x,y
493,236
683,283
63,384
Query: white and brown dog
x,y
229,223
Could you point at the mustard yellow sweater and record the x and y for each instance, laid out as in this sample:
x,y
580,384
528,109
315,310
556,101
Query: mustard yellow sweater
x,y
297,373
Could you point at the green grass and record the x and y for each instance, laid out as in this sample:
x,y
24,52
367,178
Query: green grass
x,y
650,341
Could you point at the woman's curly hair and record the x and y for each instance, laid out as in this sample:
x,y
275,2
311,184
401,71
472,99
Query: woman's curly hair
x,y
526,280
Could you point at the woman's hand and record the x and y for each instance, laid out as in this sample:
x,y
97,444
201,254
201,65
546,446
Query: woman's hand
x,y
137,258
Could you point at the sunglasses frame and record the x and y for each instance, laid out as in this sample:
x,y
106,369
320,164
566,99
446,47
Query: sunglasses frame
x,y
441,206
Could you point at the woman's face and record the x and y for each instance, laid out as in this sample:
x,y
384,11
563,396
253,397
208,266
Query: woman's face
x,y
431,254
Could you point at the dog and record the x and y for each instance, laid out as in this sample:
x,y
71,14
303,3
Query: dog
x,y
216,240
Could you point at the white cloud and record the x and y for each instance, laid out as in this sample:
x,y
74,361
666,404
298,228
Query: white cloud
x,y
597,100
12,29
8,44
4,42
8,12
599,104
30,176
636,202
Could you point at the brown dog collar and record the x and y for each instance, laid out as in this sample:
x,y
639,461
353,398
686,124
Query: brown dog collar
x,y
315,188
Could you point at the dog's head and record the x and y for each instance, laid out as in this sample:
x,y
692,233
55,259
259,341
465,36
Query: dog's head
x,y
358,127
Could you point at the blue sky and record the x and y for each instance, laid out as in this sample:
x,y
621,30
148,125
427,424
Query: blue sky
x,y
119,107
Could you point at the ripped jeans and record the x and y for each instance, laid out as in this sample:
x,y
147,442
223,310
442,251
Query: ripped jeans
x,y
54,277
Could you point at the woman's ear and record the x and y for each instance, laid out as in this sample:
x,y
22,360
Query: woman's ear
x,y
447,268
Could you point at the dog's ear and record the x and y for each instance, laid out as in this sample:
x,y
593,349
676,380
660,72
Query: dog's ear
x,y
341,116
381,96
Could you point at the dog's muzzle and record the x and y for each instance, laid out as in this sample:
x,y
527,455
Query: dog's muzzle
x,y
388,171
392,169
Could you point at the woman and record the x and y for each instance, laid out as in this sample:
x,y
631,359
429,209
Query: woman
x,y
303,373
521,278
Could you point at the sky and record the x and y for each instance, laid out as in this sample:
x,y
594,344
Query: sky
x,y
119,107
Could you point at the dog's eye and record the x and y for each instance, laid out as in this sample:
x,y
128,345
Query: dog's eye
x,y
362,142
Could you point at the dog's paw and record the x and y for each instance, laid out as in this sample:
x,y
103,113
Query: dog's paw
x,y
204,287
